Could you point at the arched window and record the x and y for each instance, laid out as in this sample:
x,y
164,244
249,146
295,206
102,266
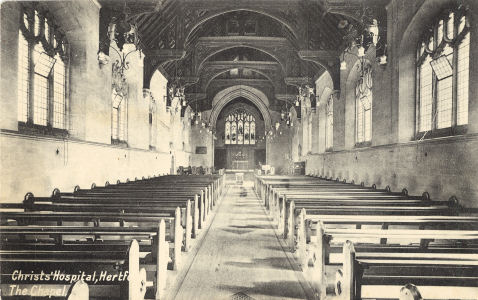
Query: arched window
x,y
118,118
329,125
153,121
443,76
363,107
42,72
240,128
119,105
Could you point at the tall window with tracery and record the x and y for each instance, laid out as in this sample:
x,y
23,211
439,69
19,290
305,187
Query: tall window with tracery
x,y
119,117
363,107
329,124
240,128
42,72
443,59
119,105
152,122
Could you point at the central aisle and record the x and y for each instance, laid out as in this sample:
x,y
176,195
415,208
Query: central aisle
x,y
240,256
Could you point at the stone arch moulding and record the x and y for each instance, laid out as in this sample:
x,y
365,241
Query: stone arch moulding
x,y
254,95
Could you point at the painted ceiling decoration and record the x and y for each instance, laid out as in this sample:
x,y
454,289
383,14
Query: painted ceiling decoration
x,y
276,46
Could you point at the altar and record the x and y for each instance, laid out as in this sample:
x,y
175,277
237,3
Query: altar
x,y
240,157
240,165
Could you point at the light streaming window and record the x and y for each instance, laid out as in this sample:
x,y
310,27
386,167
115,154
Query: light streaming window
x,y
119,117
42,72
363,108
463,74
426,97
59,99
23,78
329,125
443,93
152,122
240,128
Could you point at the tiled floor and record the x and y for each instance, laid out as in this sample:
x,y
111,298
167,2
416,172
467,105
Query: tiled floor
x,y
241,257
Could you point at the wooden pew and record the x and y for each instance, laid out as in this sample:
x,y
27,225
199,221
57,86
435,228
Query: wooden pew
x,y
280,211
169,214
114,203
56,271
197,208
321,201
120,203
38,238
436,275
325,247
210,191
216,181
358,207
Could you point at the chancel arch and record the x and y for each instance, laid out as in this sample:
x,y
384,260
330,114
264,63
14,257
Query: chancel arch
x,y
258,98
252,104
240,132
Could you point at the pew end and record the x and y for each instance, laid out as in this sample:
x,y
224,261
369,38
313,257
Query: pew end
x,y
79,291
410,292
426,196
56,193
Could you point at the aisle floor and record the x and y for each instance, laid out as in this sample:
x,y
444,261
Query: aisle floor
x,y
240,256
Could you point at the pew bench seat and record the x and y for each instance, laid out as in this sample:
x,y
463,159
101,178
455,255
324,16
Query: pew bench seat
x,y
47,274
365,274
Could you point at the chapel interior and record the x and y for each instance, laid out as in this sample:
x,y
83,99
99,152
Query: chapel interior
x,y
234,115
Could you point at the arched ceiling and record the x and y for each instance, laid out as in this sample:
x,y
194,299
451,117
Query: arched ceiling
x,y
240,23
269,44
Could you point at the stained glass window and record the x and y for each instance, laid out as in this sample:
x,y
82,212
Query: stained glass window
x,y
233,132
227,132
239,128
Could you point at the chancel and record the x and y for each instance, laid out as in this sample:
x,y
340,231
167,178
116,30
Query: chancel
x,y
237,149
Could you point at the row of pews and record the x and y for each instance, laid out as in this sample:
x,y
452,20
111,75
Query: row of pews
x,y
117,241
358,242
194,170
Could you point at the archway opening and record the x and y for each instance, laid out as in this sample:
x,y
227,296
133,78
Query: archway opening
x,y
241,144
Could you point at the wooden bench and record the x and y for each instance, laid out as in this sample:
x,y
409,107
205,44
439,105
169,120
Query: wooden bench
x,y
47,226
358,207
123,202
212,188
324,250
199,206
171,212
281,208
435,275
307,204
70,258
